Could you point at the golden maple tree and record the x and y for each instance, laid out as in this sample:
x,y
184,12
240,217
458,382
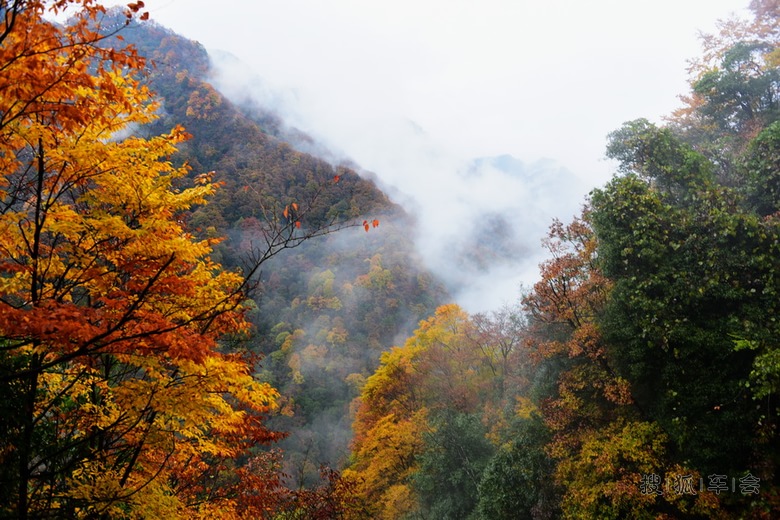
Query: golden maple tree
x,y
121,400
440,367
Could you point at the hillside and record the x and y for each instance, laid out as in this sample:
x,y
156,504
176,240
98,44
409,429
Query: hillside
x,y
324,310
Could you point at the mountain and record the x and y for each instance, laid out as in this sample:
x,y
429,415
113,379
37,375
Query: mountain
x,y
324,310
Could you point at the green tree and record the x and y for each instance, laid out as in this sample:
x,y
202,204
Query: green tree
x,y
735,88
518,482
692,271
760,169
743,92
455,453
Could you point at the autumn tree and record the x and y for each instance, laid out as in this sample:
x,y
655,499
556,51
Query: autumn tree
x,y
499,336
111,312
735,88
430,418
388,433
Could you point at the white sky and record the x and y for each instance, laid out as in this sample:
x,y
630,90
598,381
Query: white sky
x,y
412,90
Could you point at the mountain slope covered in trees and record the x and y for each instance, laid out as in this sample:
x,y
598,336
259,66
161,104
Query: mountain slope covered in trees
x,y
324,311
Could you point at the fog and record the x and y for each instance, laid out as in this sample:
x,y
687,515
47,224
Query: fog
x,y
485,120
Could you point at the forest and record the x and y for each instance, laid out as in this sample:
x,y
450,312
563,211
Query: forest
x,y
200,319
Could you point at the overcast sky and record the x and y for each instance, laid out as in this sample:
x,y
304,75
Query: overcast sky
x,y
414,90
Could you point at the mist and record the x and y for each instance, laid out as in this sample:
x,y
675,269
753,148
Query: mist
x,y
483,120
479,221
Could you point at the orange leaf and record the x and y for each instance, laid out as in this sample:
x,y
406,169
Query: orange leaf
x,y
205,178
298,224
295,206
375,223
286,212
336,178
